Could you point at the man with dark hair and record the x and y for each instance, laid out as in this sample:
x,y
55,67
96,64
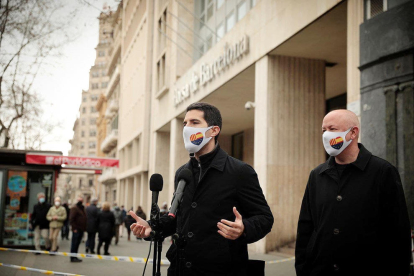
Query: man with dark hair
x,y
223,207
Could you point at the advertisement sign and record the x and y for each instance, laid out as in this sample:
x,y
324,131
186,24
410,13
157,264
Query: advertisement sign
x,y
16,188
87,162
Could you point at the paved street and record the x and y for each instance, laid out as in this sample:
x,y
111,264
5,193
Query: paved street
x,y
93,267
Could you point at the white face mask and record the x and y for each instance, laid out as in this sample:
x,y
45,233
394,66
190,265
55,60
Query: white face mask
x,y
57,203
195,138
335,142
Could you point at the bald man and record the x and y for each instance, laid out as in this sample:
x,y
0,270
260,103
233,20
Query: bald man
x,y
353,219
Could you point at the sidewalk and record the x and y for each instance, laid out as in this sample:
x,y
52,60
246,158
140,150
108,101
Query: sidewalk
x,y
92,267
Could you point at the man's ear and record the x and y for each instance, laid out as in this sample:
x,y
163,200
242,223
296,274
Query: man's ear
x,y
215,131
355,133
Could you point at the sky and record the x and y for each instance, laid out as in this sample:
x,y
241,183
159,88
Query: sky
x,y
60,85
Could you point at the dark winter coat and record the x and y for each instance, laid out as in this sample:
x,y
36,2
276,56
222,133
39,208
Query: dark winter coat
x,y
78,218
92,213
221,183
106,222
356,224
129,220
39,215
118,215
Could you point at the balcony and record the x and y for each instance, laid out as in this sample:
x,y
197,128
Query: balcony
x,y
108,175
110,141
113,82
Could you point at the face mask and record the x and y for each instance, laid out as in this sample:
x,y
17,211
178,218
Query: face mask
x,y
57,203
335,142
195,138
42,199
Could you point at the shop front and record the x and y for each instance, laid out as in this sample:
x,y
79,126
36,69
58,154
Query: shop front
x,y
20,183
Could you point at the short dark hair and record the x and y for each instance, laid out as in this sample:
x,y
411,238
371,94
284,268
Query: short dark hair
x,y
211,114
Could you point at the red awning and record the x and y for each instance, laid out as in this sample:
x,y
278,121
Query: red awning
x,y
85,162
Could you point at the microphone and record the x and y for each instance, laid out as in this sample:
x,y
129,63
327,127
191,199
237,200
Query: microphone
x,y
185,176
156,184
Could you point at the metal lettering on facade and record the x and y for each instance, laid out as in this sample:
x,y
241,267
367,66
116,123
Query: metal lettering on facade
x,y
209,70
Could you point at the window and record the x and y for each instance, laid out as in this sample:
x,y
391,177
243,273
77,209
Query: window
x,y
162,28
92,121
83,109
219,3
231,21
114,123
95,85
161,72
90,182
95,74
101,53
82,145
104,85
84,99
241,10
220,31
92,133
94,98
83,122
113,194
93,109
103,73
375,7
80,183
83,133
92,145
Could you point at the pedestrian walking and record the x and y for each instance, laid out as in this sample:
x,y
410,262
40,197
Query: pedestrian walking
x,y
121,227
118,221
140,213
65,227
39,222
129,220
106,222
164,209
92,213
78,221
353,219
56,215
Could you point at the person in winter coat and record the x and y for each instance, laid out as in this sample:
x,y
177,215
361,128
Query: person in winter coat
x,y
118,221
129,220
106,226
78,222
123,217
39,222
353,210
56,216
92,213
223,207
65,228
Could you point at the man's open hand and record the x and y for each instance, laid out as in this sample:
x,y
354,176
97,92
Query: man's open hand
x,y
231,230
141,228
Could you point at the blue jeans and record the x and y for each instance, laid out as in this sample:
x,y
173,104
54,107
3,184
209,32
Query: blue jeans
x,y
76,240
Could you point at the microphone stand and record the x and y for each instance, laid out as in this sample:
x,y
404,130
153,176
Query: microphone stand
x,y
158,239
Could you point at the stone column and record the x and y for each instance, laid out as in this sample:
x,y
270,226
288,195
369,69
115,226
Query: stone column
x,y
290,105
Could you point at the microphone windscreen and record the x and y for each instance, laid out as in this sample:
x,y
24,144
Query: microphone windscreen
x,y
156,182
185,175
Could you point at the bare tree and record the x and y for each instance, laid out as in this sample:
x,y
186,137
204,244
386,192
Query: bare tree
x,y
31,32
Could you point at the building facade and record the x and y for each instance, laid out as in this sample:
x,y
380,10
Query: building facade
x,y
274,69
85,140
108,111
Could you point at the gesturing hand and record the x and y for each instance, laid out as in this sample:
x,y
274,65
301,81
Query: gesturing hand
x,y
231,230
141,228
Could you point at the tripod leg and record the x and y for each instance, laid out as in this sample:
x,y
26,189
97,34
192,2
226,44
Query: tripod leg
x,y
154,259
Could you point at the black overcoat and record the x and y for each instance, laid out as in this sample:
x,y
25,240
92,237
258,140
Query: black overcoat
x,y
225,183
354,225
92,213
39,215
106,225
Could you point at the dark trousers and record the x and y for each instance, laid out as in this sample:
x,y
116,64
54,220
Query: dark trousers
x,y
106,246
76,240
65,231
90,242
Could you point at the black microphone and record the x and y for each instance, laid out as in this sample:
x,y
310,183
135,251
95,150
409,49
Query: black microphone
x,y
156,184
185,176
